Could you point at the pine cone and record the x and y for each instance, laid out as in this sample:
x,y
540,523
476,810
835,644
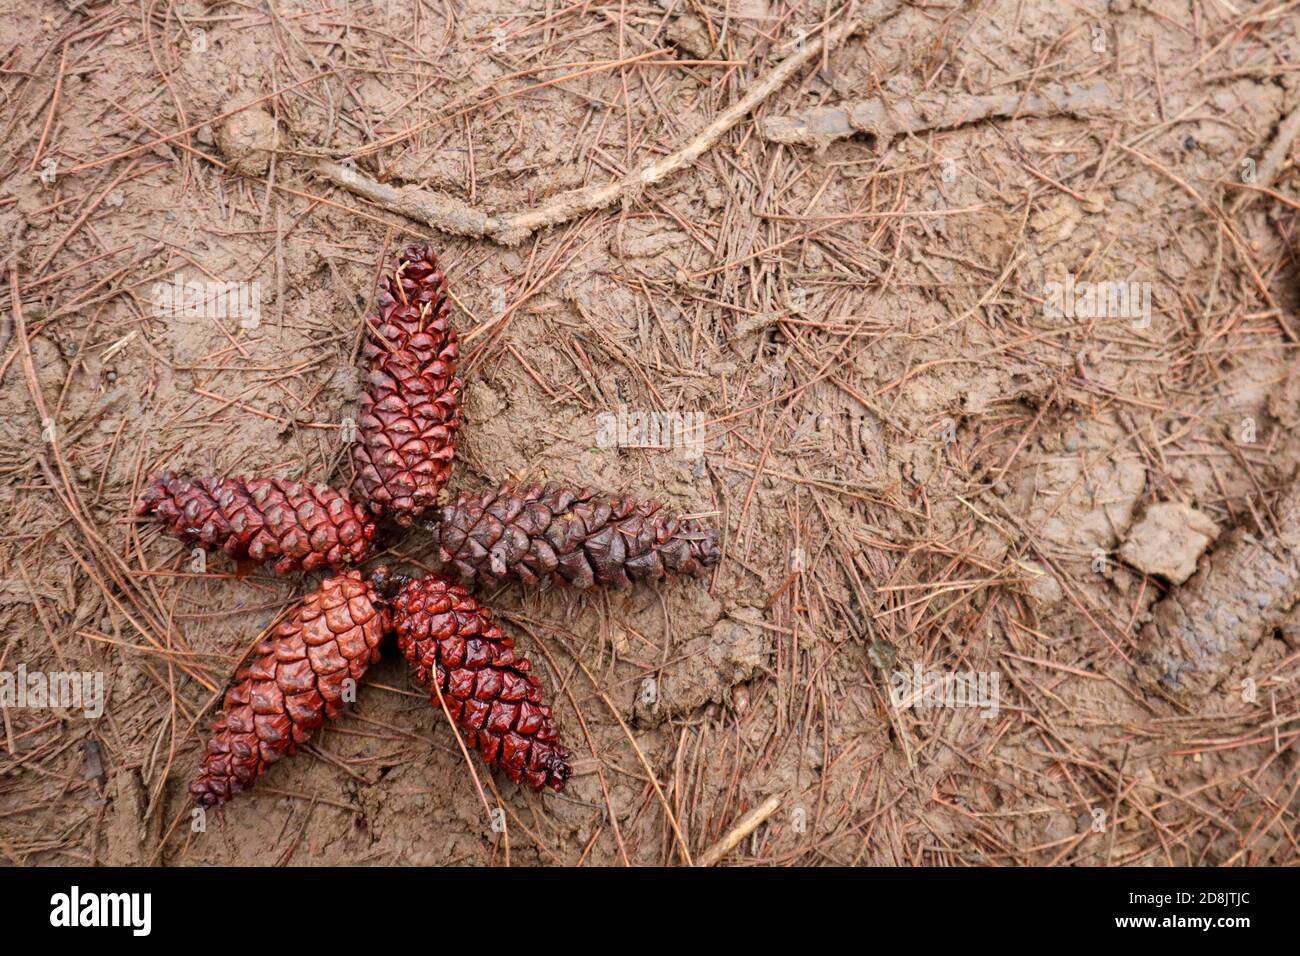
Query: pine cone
x,y
489,692
410,412
292,686
550,534
306,526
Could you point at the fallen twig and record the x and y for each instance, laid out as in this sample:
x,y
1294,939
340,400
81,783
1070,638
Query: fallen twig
x,y
747,825
451,215
886,118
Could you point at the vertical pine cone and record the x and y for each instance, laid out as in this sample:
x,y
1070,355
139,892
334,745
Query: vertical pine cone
x,y
305,526
488,690
550,534
410,413
293,684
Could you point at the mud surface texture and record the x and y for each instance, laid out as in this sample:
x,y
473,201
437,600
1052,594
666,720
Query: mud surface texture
x,y
964,301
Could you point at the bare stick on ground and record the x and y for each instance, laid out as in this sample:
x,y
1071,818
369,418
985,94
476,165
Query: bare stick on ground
x,y
886,118
451,215
747,825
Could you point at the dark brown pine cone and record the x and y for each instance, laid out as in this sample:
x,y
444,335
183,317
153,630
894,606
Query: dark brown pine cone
x,y
301,525
551,534
292,685
489,691
410,413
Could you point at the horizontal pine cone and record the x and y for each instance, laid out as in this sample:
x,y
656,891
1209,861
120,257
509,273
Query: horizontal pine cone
x,y
410,412
544,534
293,684
489,691
300,525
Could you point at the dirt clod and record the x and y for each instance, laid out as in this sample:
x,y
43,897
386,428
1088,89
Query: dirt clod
x,y
707,668
1168,541
246,140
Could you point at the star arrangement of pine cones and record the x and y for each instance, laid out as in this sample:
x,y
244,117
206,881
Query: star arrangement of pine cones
x,y
539,536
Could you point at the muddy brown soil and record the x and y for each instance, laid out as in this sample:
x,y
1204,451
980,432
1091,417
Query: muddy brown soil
x,y
930,451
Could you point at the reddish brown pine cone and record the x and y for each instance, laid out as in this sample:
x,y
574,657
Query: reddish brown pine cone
x,y
488,690
305,526
293,684
550,534
410,413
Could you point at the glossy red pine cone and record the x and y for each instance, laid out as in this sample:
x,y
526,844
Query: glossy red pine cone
x,y
300,525
292,685
410,413
551,534
489,690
